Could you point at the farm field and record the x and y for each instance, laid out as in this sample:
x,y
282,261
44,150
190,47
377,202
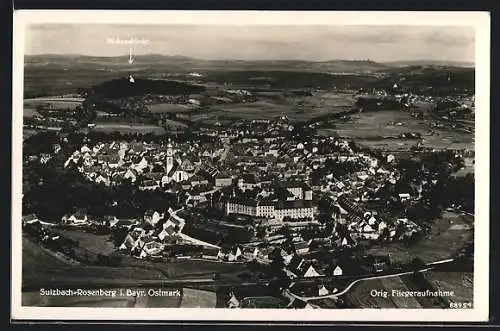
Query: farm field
x,y
262,302
129,128
199,268
89,274
395,283
161,301
380,123
449,234
325,303
448,139
418,282
192,298
359,296
28,133
89,241
262,109
461,283
55,102
395,145
369,125
164,108
34,258
40,266
30,111
55,99
300,108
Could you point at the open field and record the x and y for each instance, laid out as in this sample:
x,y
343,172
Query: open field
x,y
56,103
91,242
174,124
300,108
263,109
360,295
34,258
461,283
262,302
192,298
164,108
199,268
418,282
450,140
379,123
28,133
395,145
152,301
325,303
87,273
395,283
129,128
449,234
39,265
366,126
55,99
30,111
42,268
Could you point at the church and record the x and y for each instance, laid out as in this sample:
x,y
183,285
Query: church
x,y
176,170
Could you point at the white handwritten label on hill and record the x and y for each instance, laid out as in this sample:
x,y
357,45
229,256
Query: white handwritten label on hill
x,y
129,41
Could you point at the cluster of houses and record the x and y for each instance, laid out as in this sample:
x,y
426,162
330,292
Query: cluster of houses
x,y
149,238
150,166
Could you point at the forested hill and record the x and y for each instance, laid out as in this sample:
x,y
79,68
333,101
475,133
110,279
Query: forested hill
x,y
122,87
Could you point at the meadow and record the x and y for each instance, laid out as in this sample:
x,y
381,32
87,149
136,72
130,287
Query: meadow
x,y
128,128
447,237
165,108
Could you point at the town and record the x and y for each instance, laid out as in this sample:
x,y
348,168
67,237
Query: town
x,y
267,196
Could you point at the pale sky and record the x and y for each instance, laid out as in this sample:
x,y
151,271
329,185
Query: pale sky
x,y
315,43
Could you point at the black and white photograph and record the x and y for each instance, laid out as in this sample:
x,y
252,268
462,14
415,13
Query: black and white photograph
x,y
255,166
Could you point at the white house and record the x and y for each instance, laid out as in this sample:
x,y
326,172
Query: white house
x,y
85,149
368,228
102,179
323,291
131,174
152,217
78,218
311,272
233,302
404,196
337,271
142,165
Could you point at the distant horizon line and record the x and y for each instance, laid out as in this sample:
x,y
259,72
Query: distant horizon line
x,y
253,60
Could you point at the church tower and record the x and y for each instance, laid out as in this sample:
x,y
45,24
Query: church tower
x,y
170,157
